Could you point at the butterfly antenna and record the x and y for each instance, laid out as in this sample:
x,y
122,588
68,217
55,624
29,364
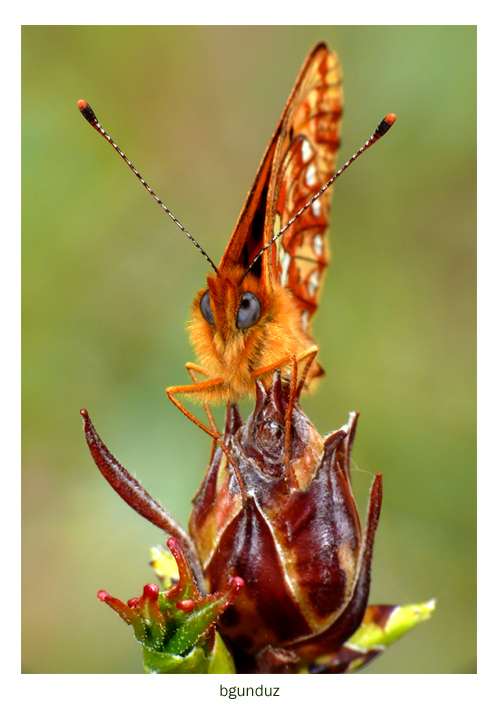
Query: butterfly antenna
x,y
379,132
89,115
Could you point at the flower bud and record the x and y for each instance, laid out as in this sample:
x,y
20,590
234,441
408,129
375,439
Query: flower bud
x,y
293,534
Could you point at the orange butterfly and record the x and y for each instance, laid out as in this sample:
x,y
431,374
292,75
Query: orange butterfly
x,y
254,315
256,310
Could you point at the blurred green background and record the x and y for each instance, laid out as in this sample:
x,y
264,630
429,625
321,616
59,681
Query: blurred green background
x,y
108,280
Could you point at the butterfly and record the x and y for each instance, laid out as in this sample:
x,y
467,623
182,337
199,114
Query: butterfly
x,y
253,317
255,312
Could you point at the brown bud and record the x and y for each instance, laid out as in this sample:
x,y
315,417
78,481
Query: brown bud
x,y
293,535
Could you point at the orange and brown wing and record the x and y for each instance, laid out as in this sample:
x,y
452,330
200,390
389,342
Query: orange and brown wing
x,y
297,163
303,161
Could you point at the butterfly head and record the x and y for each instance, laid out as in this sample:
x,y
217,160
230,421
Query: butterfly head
x,y
228,308
238,325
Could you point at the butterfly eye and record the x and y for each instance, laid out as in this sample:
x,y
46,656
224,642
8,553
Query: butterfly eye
x,y
249,311
205,308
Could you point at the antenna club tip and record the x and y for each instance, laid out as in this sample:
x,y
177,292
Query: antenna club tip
x,y
384,126
86,111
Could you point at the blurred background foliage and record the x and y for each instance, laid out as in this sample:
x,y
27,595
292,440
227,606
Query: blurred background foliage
x,y
108,280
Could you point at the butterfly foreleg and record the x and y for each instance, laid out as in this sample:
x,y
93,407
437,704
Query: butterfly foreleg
x,y
199,388
304,359
192,369
307,358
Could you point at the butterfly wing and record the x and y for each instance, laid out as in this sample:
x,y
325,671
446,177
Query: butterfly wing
x,y
303,161
297,163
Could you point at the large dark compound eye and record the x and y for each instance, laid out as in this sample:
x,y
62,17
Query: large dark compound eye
x,y
249,311
205,308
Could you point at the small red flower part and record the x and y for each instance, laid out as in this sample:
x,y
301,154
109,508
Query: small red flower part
x,y
174,624
294,535
142,613
185,605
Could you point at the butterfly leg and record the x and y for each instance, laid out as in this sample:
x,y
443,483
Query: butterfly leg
x,y
192,369
306,357
199,387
